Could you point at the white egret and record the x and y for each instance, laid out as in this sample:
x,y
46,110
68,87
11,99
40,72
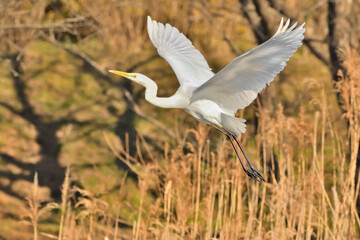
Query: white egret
x,y
215,98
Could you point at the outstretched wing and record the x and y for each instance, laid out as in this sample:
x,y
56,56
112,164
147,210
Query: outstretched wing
x,y
188,63
239,83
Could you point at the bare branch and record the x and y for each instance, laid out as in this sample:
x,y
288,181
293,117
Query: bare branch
x,y
127,96
69,23
249,11
261,15
10,108
308,42
210,17
317,40
317,52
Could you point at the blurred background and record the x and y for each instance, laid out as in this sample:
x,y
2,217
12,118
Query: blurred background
x,y
84,156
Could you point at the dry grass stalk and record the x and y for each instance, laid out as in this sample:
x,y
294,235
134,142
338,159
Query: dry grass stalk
x,y
34,206
35,209
91,208
64,202
202,194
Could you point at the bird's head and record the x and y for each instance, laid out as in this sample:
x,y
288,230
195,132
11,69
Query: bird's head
x,y
135,77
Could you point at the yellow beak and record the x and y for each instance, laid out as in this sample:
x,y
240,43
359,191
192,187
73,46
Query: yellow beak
x,y
124,74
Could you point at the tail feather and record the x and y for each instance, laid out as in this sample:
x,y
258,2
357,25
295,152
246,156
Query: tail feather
x,y
235,125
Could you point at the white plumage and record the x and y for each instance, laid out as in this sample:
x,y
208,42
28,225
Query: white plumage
x,y
239,83
187,62
215,98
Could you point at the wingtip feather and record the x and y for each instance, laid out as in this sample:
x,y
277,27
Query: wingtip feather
x,y
280,26
286,25
149,26
292,27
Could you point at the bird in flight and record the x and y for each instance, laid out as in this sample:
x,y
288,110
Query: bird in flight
x,y
215,98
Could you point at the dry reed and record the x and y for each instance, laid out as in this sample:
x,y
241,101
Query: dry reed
x,y
196,189
201,192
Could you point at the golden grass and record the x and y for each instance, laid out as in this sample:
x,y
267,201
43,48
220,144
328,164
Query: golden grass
x,y
197,190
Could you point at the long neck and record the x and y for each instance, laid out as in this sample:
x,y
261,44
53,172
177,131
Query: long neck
x,y
175,101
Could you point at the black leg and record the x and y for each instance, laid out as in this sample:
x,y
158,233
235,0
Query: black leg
x,y
255,171
251,173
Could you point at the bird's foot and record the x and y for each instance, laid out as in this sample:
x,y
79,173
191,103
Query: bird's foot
x,y
251,174
254,174
257,174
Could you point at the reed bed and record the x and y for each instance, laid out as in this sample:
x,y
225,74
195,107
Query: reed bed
x,y
195,189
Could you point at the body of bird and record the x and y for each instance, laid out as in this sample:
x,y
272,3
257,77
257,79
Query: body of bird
x,y
214,98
